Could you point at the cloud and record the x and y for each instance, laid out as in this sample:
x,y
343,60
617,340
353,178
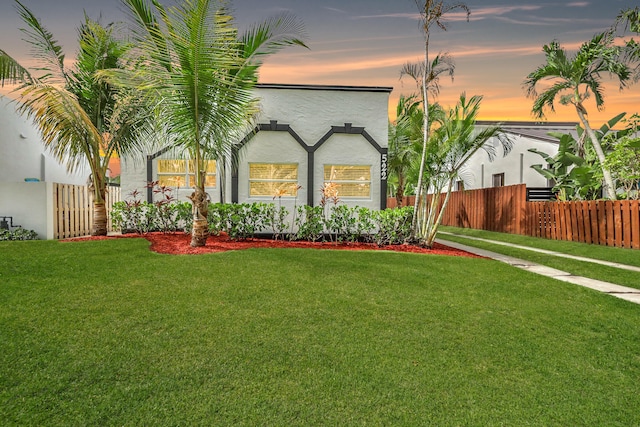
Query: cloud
x,y
578,4
461,15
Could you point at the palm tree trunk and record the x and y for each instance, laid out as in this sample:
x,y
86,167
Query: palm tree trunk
x,y
609,187
99,187
425,138
200,210
433,232
400,191
99,226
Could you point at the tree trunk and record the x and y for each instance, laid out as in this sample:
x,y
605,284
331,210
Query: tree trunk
x,y
99,226
200,210
98,190
400,192
415,226
609,186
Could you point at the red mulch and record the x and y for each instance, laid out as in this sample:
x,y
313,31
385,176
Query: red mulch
x,y
178,244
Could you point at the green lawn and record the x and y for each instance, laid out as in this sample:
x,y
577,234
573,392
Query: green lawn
x,y
579,268
108,333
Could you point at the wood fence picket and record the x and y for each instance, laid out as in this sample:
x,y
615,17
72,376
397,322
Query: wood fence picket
x,y
506,209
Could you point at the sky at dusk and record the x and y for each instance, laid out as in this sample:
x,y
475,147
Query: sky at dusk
x,y
366,42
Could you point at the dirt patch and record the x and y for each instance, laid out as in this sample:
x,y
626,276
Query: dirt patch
x,y
178,244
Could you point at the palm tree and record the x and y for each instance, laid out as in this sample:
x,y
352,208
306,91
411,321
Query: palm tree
x,y
202,72
403,134
81,120
630,19
574,79
432,13
451,146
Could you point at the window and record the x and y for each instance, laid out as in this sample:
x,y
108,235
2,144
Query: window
x,y
180,173
349,180
459,185
498,179
273,179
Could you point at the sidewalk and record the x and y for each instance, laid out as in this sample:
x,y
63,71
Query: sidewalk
x,y
623,292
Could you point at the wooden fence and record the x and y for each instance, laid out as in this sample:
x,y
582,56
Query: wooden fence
x,y
506,210
73,210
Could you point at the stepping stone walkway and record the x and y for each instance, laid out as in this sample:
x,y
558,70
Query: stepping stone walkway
x,y
623,292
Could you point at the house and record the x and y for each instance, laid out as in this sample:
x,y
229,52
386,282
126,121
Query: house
x,y
23,155
515,167
27,174
306,136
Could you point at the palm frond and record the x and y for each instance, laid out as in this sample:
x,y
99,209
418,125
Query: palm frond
x,y
44,47
11,72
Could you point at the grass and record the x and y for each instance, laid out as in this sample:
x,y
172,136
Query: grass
x,y
580,268
108,333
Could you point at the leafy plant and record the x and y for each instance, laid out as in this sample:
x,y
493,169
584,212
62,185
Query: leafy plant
x,y
18,234
394,226
310,223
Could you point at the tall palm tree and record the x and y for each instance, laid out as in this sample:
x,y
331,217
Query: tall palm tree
x,y
432,13
202,71
574,79
452,145
81,120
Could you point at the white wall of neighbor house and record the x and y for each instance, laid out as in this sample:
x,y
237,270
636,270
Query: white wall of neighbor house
x,y
23,154
516,165
30,204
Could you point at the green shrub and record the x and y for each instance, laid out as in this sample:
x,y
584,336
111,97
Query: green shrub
x,y
18,234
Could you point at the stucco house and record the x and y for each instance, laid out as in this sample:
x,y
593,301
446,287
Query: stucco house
x,y
306,136
27,174
23,155
515,167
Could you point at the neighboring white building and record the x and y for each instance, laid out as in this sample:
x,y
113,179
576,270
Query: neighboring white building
x,y
27,174
23,155
306,136
515,167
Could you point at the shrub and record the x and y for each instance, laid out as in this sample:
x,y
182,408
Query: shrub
x,y
18,234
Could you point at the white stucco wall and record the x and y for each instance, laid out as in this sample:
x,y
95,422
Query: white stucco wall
x,y
311,112
23,154
345,149
30,204
272,147
516,165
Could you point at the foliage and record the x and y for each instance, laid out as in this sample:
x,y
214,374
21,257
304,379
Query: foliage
x,y
310,223
164,214
201,71
18,234
624,160
574,177
575,168
574,79
394,226
432,12
335,222
450,147
82,120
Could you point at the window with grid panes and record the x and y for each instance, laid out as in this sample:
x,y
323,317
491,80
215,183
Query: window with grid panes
x,y
180,173
273,179
351,181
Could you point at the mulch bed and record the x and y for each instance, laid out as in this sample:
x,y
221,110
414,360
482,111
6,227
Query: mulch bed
x,y
178,244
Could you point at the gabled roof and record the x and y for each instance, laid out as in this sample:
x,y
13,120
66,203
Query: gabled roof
x,y
535,130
